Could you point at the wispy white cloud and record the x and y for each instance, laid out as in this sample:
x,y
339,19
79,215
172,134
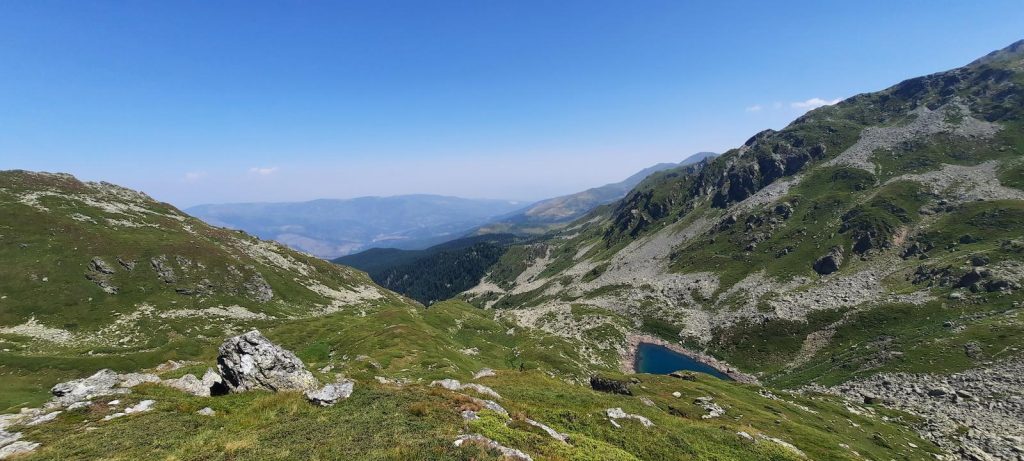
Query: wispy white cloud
x,y
755,108
263,171
192,176
813,103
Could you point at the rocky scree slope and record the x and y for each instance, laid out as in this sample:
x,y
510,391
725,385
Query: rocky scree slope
x,y
882,234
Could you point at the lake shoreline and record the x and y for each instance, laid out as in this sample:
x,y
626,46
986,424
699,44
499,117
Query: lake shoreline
x,y
627,363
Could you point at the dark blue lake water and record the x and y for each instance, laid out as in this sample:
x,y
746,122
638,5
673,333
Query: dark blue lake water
x,y
660,360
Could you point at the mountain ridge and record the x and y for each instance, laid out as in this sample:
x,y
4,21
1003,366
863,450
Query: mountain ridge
x,y
820,255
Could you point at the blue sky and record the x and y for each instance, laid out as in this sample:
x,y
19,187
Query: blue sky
x,y
197,102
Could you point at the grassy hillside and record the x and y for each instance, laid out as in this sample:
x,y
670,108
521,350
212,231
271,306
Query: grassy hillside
x,y
96,275
407,419
73,302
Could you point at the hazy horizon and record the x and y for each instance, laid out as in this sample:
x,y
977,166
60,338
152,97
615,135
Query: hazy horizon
x,y
198,103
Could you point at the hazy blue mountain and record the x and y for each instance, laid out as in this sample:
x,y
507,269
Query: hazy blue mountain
x,y
329,228
549,214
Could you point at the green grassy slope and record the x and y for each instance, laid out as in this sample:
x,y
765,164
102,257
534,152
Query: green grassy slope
x,y
58,323
535,375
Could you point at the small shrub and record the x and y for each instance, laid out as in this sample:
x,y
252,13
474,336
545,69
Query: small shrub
x,y
419,409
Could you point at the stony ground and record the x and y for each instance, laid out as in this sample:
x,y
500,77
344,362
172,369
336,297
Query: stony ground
x,y
978,413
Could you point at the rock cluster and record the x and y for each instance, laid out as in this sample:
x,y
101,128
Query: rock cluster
x,y
97,264
72,395
163,269
99,273
249,361
101,383
127,264
713,409
10,445
975,278
258,289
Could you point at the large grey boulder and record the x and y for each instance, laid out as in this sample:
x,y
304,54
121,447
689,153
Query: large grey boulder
x,y
331,393
611,386
830,262
250,361
258,289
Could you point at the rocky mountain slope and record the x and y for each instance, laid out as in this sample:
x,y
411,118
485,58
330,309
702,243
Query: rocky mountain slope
x,y
883,234
330,228
551,214
126,333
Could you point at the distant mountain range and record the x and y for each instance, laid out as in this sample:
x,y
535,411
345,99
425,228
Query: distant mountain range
x,y
443,270
329,228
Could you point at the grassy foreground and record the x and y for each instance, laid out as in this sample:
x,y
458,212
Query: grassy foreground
x,y
538,378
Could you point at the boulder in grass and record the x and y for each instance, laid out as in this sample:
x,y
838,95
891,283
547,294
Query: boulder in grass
x,y
830,262
100,383
250,361
612,386
331,393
